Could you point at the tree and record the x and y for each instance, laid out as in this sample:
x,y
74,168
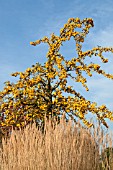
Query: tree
x,y
41,89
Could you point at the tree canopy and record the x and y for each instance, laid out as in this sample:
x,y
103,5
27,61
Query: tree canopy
x,y
41,89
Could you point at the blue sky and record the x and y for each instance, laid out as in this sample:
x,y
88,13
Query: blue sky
x,y
25,20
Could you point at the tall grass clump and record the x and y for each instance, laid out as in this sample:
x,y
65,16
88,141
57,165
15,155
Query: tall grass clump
x,y
63,146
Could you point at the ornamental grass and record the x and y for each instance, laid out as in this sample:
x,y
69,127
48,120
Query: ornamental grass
x,y
60,146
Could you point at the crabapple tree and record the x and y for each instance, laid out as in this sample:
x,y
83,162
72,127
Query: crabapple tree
x,y
40,90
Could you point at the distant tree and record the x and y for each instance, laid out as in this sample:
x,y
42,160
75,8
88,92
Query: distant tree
x,y
43,90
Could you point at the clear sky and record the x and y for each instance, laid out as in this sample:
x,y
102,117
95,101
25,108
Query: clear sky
x,y
26,20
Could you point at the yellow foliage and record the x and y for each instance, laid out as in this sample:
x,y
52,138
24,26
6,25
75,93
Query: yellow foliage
x,y
41,89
